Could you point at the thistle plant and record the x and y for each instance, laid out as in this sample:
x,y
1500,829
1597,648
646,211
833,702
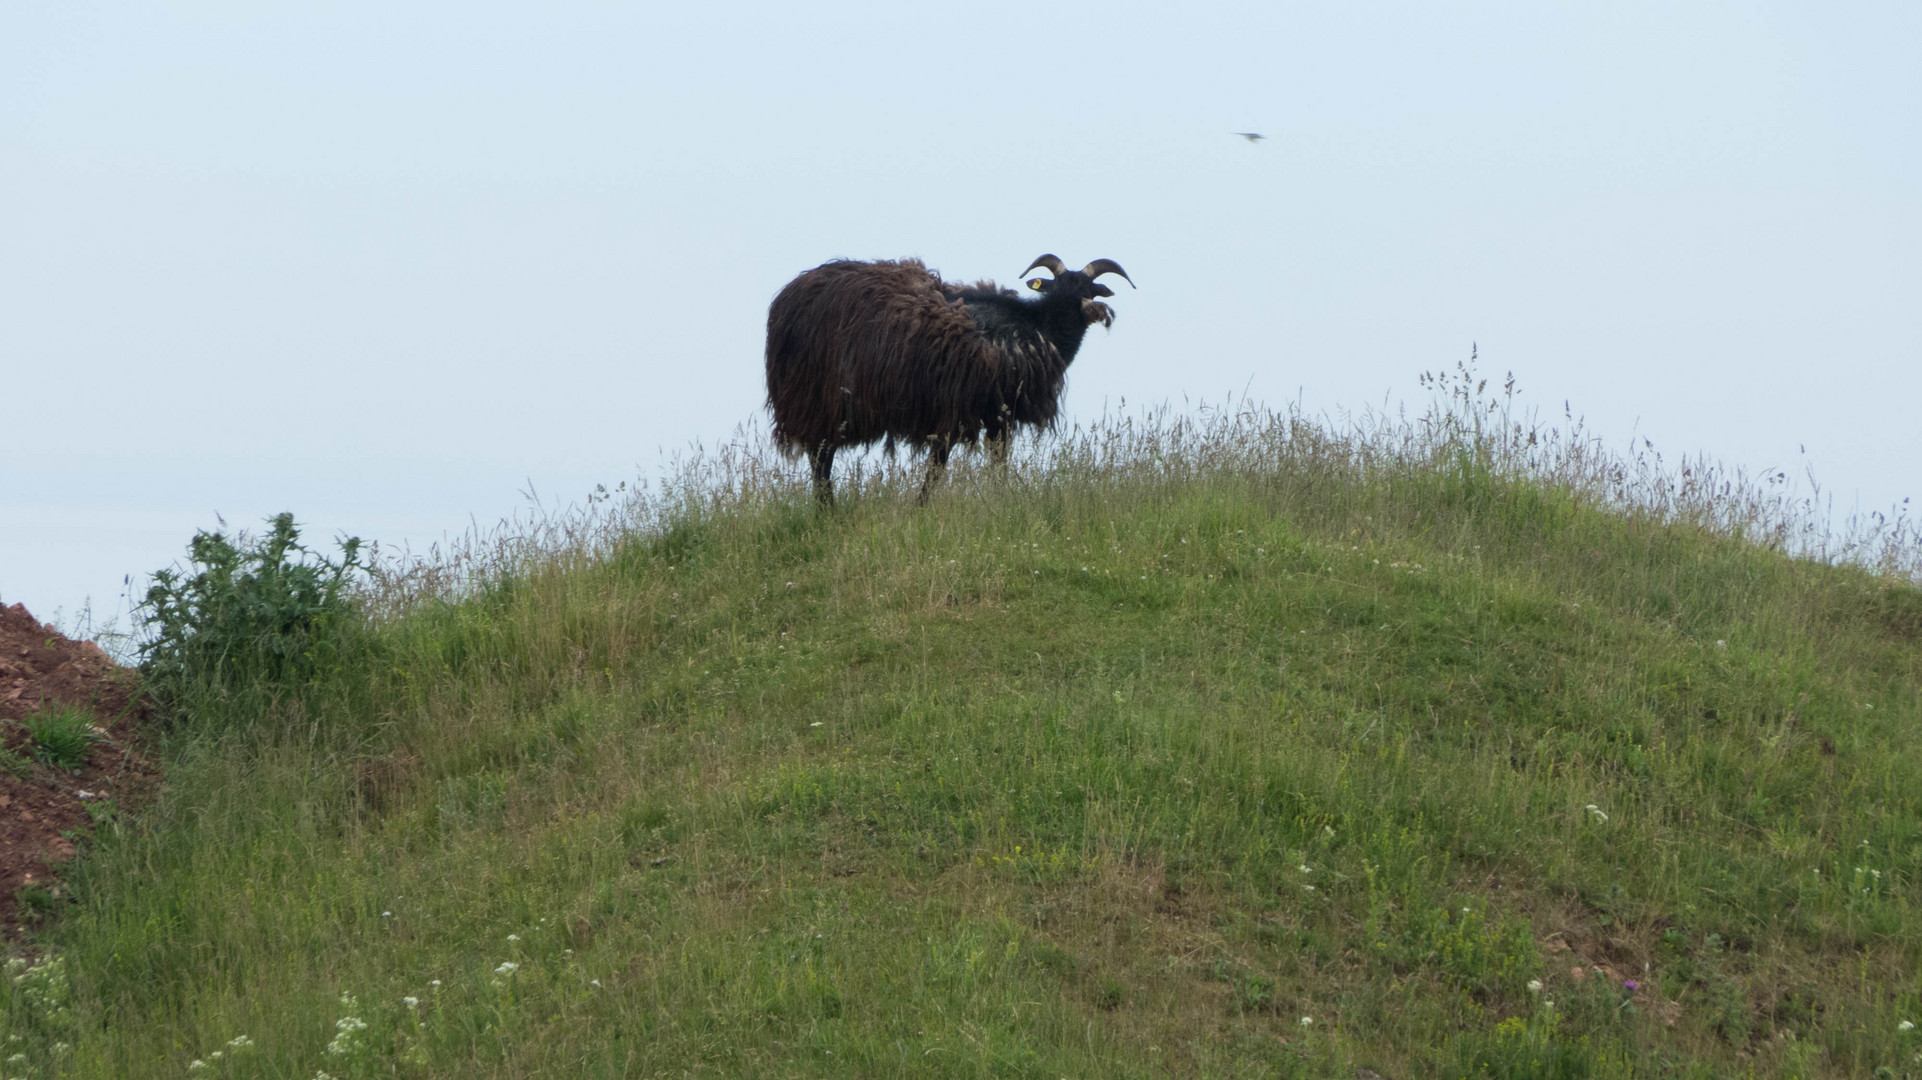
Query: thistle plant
x,y
259,616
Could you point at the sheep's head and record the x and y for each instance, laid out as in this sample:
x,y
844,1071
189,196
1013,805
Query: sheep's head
x,y
1079,284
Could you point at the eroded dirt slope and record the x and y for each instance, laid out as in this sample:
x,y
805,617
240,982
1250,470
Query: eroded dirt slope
x,y
42,813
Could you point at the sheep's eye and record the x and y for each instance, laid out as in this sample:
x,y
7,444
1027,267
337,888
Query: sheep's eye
x,y
1035,283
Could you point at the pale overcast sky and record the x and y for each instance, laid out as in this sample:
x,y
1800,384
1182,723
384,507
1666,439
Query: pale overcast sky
x,y
384,265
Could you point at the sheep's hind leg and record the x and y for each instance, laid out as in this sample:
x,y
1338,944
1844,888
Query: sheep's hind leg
x,y
937,468
821,459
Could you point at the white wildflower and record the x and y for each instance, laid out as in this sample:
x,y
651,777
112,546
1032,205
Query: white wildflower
x,y
1906,1025
1307,1021
348,1027
507,968
239,1042
1600,814
196,1065
513,937
1534,986
411,1002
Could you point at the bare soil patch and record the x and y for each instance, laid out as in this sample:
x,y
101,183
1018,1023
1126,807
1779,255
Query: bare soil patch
x,y
45,812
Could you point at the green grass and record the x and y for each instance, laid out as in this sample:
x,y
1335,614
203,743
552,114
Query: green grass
x,y
62,737
1235,749
16,763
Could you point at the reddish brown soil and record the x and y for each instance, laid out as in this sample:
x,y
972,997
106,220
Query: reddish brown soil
x,y
42,815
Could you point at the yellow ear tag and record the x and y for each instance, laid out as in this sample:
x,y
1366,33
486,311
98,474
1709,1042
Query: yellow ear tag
x,y
1035,284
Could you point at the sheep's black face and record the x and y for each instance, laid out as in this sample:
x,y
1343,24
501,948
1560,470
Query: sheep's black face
x,y
1077,288
1073,283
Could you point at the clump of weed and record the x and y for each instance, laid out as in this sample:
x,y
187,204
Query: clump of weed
x,y
34,902
1250,992
104,813
62,736
265,615
12,761
36,1010
1521,1047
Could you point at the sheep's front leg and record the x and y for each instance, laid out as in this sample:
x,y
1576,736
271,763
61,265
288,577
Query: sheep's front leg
x,y
1000,445
937,468
821,460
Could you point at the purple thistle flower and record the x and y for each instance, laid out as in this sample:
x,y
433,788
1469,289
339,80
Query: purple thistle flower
x,y
1631,986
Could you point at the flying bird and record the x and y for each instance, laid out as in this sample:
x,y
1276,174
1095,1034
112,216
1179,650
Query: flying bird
x,y
1251,136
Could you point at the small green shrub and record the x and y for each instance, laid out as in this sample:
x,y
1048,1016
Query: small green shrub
x,y
265,616
62,737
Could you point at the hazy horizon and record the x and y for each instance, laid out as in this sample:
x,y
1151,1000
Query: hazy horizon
x,y
386,269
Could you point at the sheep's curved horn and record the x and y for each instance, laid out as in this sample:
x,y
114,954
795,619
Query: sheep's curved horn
x,y
1106,266
1050,263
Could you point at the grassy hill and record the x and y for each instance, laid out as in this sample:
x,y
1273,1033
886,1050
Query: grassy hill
x,y
1237,747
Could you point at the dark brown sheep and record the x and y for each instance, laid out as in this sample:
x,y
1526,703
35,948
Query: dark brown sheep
x,y
859,352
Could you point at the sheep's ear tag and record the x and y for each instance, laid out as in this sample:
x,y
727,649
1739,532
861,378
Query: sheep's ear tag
x,y
1035,283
